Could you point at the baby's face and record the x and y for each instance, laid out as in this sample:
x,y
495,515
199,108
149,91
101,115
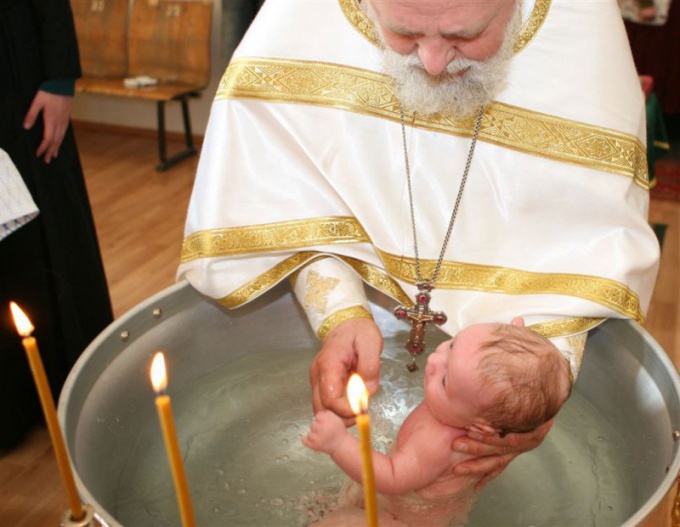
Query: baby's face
x,y
451,377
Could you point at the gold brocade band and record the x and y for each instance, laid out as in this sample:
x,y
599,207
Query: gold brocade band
x,y
267,280
272,237
370,93
377,278
339,317
492,279
454,275
383,283
578,344
533,24
566,326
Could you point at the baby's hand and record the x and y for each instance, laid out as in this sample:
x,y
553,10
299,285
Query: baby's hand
x,y
326,433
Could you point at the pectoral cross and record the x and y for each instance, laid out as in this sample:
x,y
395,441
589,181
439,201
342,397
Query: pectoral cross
x,y
420,315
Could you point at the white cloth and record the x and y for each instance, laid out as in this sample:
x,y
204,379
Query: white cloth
x,y
303,157
328,287
16,204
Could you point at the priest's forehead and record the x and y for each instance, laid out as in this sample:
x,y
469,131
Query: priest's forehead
x,y
450,16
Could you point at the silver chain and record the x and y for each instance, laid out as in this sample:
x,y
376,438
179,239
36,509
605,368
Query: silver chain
x,y
475,135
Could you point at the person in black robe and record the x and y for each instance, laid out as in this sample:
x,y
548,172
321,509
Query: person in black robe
x,y
51,267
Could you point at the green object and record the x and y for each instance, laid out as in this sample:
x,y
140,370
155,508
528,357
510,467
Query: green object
x,y
59,86
657,136
660,231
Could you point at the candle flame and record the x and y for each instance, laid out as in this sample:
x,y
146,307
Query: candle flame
x,y
357,394
21,321
159,379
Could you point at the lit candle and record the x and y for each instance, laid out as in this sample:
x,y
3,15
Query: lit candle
x,y
159,381
25,328
358,400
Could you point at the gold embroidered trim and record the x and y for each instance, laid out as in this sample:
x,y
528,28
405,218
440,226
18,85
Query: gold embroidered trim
x,y
378,279
360,21
566,327
491,279
567,141
454,275
318,289
339,317
382,282
469,277
578,344
533,24
370,274
369,93
272,237
316,83
294,275
266,280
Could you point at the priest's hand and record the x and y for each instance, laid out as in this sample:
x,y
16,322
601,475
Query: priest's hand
x,y
492,454
56,113
352,347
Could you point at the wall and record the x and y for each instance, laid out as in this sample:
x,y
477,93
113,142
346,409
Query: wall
x,y
230,18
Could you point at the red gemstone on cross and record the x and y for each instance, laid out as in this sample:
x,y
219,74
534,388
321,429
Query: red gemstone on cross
x,y
423,298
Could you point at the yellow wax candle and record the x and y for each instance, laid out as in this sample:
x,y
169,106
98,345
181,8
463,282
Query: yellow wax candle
x,y
364,426
159,382
25,328
358,399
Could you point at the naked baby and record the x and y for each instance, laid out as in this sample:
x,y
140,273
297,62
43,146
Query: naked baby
x,y
490,379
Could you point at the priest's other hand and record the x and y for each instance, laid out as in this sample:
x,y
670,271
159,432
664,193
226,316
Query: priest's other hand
x,y
56,112
492,454
352,347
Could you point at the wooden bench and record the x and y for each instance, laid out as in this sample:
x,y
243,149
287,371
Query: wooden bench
x,y
165,39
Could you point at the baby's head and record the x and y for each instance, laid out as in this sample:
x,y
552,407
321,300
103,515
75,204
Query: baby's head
x,y
496,378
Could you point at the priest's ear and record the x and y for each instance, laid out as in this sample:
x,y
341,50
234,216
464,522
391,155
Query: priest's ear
x,y
517,321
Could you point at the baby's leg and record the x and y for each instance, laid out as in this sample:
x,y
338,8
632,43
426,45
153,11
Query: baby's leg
x,y
351,494
355,517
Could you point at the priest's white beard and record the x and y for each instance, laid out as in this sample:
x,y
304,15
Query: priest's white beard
x,y
449,93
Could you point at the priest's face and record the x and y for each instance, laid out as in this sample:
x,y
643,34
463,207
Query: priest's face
x,y
446,56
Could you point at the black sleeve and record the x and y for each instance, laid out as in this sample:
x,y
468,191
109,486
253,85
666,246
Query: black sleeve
x,y
59,43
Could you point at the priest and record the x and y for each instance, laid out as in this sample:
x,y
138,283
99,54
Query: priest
x,y
475,161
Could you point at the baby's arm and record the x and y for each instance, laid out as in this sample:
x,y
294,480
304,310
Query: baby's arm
x,y
413,466
328,434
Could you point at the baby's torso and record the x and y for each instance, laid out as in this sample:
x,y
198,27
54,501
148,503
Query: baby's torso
x,y
448,497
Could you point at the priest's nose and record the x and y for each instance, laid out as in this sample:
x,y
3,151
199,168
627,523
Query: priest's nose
x,y
435,54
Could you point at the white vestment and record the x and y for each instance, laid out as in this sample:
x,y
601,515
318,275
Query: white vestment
x,y
16,203
303,159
